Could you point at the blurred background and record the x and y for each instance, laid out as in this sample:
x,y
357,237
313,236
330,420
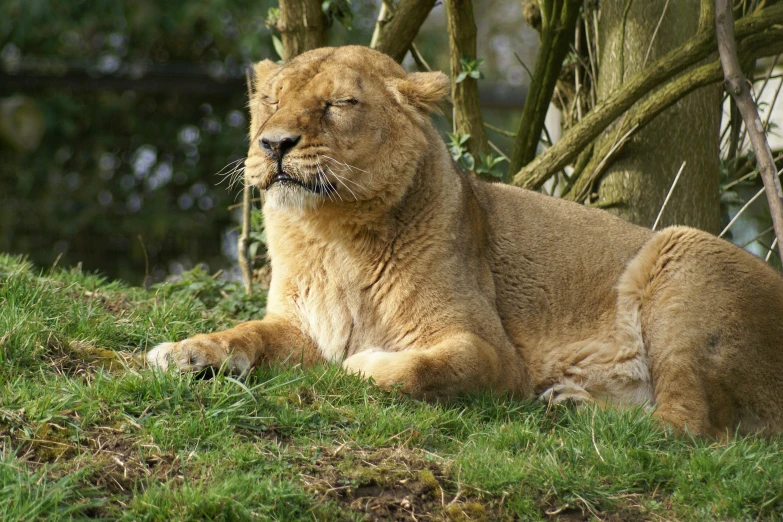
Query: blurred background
x,y
119,119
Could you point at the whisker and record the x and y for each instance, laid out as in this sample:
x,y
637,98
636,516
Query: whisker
x,y
355,198
322,174
351,167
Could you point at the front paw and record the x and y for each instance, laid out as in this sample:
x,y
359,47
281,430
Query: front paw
x,y
198,353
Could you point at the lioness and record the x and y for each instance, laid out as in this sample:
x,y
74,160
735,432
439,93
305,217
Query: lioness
x,y
390,260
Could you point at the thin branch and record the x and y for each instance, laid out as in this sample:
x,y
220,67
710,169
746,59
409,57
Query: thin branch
x,y
497,149
740,211
757,237
655,33
557,34
771,107
499,130
244,238
668,195
660,71
421,63
737,85
771,249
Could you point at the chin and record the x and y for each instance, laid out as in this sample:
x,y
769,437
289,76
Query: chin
x,y
291,197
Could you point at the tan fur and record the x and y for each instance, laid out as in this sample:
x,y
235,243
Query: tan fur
x,y
408,271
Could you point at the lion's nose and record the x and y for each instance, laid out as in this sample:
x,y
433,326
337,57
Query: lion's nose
x,y
277,144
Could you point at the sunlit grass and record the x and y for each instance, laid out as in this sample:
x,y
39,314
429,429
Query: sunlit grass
x,y
87,434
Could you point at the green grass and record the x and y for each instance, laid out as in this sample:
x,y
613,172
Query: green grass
x,y
85,433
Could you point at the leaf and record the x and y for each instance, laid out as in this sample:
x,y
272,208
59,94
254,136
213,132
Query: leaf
x,y
461,77
468,161
464,138
476,75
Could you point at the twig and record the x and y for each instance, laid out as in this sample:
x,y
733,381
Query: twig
x,y
244,238
665,201
497,149
771,250
750,174
741,140
757,237
655,33
737,85
771,107
146,263
499,130
739,213
421,63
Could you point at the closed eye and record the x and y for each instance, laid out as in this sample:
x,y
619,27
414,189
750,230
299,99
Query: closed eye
x,y
342,102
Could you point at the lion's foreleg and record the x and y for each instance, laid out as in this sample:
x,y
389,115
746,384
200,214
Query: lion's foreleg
x,y
459,364
239,348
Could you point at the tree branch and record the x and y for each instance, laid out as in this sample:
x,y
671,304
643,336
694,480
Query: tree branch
x,y
766,44
302,26
243,244
467,109
577,137
737,86
395,35
557,35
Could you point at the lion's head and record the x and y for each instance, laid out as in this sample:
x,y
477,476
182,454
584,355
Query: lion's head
x,y
338,126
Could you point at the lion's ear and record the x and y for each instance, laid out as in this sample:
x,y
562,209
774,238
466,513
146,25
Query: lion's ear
x,y
423,90
262,71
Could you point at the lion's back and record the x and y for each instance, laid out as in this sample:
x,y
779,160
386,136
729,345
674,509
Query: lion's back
x,y
556,263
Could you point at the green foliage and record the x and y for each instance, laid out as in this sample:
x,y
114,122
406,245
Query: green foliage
x,y
84,440
212,292
488,165
459,152
469,68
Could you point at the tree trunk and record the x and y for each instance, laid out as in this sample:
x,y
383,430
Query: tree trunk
x,y
635,183
395,31
302,26
467,110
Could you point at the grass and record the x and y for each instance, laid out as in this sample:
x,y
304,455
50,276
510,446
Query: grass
x,y
85,433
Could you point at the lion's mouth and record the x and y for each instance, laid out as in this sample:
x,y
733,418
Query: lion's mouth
x,y
325,187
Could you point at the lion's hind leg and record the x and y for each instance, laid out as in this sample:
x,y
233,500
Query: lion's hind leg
x,y
710,314
566,391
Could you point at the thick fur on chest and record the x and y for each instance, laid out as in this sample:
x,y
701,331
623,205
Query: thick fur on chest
x,y
334,309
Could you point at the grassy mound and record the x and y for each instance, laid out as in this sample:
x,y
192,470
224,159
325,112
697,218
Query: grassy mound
x,y
86,432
